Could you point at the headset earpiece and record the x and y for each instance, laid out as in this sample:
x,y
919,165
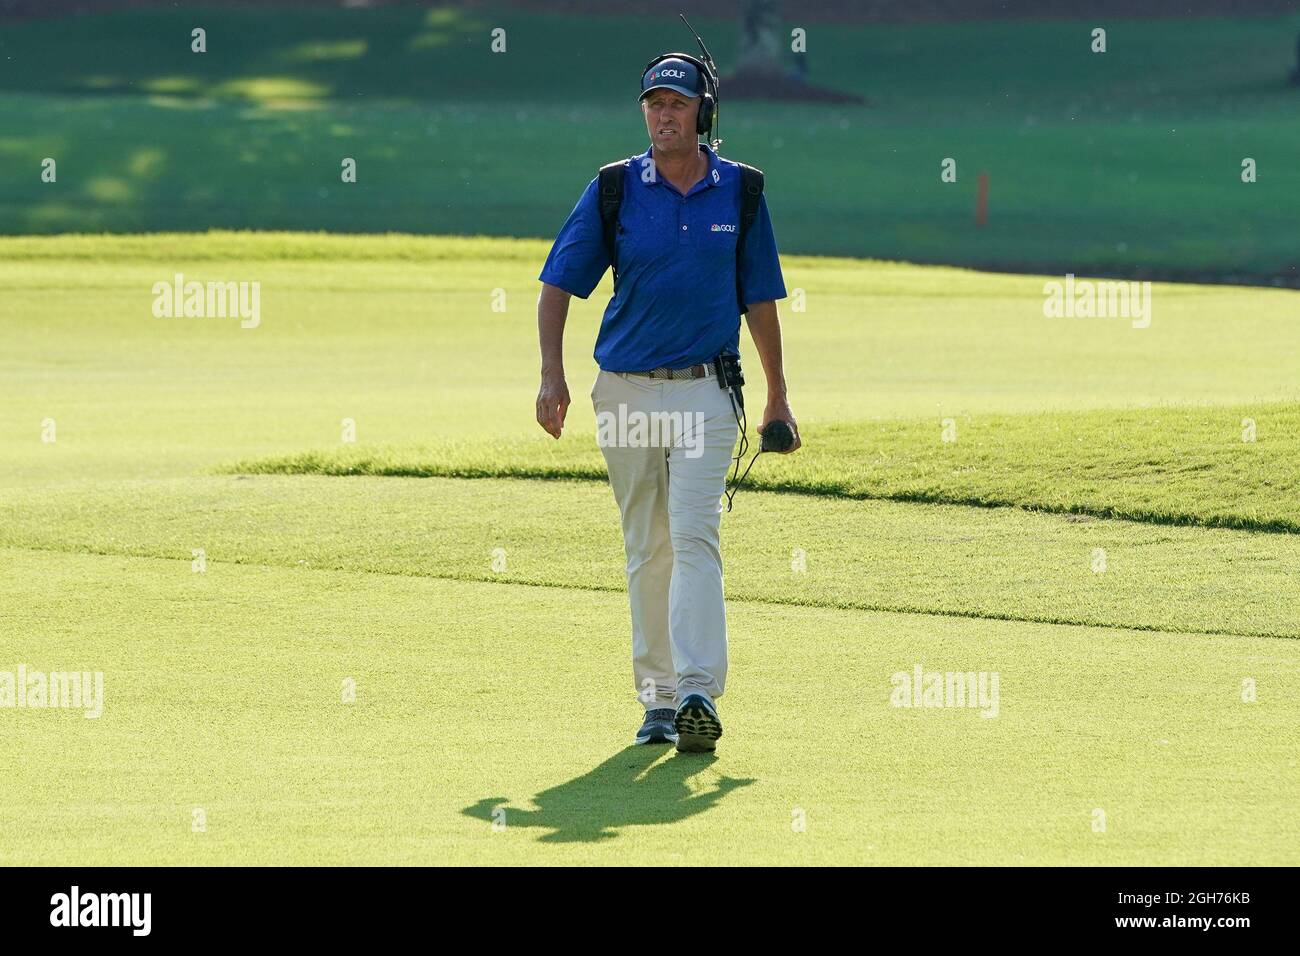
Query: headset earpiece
x,y
704,119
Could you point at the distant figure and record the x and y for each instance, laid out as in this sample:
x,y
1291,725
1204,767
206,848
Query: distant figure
x,y
761,46
800,72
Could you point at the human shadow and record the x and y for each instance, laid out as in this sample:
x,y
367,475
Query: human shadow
x,y
628,789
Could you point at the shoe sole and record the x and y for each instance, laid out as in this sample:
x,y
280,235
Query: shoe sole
x,y
655,739
698,729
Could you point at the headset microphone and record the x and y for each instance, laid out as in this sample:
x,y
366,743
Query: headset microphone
x,y
713,75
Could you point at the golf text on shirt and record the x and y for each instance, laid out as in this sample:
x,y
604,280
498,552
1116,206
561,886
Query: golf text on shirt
x,y
134,910
674,303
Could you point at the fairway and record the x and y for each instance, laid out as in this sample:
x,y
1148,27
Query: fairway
x,y
967,460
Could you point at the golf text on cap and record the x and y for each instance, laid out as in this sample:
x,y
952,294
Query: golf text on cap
x,y
103,909
675,74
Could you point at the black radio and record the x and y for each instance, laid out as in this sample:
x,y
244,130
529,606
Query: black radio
x,y
727,369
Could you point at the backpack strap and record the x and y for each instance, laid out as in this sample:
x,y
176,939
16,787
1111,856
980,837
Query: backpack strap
x,y
751,197
611,198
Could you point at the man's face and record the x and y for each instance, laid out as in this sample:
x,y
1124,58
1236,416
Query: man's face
x,y
670,120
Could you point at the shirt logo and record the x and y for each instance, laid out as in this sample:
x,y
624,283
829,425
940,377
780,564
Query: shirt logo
x,y
725,227
716,177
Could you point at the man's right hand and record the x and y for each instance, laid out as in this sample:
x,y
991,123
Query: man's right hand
x,y
552,404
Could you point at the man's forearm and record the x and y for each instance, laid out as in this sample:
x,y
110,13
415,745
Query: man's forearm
x,y
765,330
552,311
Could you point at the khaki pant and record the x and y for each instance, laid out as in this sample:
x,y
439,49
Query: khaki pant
x,y
669,485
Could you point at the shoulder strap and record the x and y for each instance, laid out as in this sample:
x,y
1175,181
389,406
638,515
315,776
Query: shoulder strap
x,y
751,195
611,198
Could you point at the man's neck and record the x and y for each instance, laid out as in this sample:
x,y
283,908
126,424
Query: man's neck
x,y
683,169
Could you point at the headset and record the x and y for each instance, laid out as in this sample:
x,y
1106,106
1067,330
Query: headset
x,y
707,117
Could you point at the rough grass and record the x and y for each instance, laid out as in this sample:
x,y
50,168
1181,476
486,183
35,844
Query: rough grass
x,y
1174,465
1123,163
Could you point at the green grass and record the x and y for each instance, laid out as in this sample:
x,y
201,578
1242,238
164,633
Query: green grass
x,y
942,560
229,701
1118,162
1121,689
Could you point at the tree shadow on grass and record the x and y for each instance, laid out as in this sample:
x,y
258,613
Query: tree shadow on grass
x,y
628,789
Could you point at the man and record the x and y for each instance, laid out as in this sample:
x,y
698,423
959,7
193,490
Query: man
x,y
675,309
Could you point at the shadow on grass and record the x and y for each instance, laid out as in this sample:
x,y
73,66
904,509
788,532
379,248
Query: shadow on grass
x,y
628,789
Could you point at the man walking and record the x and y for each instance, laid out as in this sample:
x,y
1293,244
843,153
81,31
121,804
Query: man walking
x,y
684,270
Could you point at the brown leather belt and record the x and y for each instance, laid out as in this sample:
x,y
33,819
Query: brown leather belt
x,y
695,371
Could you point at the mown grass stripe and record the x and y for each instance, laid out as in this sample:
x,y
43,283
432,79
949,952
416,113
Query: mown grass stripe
x,y
746,599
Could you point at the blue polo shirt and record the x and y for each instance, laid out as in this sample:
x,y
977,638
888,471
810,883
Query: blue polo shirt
x,y
674,298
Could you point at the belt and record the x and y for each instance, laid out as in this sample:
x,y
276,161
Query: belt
x,y
695,371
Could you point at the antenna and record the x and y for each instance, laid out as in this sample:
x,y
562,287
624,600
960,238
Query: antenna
x,y
713,71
